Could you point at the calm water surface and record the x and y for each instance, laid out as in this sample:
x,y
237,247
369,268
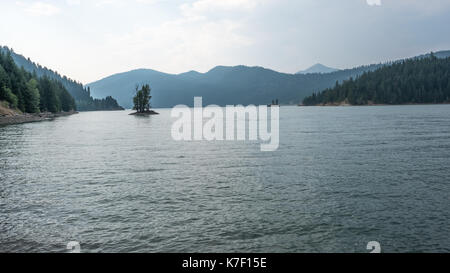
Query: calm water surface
x,y
342,177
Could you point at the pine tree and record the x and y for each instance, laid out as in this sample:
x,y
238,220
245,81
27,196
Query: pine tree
x,y
32,96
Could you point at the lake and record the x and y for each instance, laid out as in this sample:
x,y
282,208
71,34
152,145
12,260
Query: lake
x,y
343,176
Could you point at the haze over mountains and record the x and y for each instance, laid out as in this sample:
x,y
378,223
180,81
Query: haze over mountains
x,y
224,85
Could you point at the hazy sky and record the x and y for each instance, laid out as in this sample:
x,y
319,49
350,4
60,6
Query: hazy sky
x,y
90,39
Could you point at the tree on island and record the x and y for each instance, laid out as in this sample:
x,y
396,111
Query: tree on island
x,y
142,100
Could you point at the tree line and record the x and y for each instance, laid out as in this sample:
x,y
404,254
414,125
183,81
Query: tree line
x,y
29,93
418,80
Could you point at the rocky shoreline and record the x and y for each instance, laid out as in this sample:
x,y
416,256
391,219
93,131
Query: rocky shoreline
x,y
26,118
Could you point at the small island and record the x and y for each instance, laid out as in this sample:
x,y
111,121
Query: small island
x,y
142,101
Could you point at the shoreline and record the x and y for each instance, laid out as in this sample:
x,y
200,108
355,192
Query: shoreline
x,y
28,118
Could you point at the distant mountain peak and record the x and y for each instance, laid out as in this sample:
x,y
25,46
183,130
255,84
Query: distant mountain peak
x,y
318,68
190,72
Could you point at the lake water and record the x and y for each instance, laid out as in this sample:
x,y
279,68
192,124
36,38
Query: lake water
x,y
343,176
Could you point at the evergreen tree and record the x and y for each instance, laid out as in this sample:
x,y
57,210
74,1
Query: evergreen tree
x,y
32,96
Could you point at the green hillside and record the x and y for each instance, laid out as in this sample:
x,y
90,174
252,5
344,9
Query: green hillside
x,y
30,93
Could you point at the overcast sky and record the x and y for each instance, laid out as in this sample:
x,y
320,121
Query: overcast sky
x,y
90,39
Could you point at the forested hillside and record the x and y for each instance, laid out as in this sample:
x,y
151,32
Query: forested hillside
x,y
29,93
82,95
418,80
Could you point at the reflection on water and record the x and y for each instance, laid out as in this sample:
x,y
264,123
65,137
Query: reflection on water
x,y
117,183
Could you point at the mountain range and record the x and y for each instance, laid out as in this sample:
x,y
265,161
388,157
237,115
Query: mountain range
x,y
225,85
222,85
